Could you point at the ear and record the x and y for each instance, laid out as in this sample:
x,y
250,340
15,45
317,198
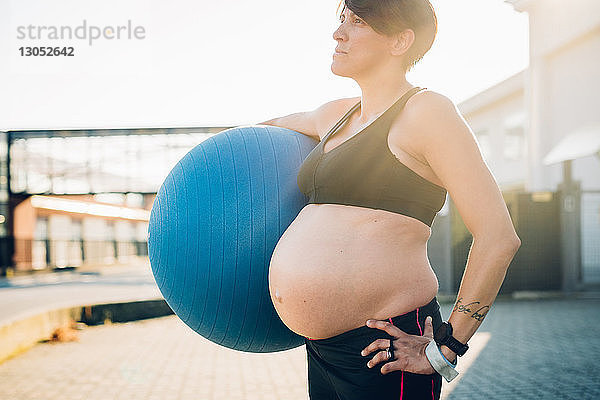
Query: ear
x,y
401,42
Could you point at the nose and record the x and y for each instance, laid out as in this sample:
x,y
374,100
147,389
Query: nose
x,y
339,33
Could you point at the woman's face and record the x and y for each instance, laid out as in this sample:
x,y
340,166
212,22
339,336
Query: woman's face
x,y
363,48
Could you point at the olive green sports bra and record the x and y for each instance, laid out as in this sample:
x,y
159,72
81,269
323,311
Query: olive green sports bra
x,y
362,171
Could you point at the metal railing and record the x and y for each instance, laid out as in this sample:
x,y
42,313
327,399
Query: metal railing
x,y
35,254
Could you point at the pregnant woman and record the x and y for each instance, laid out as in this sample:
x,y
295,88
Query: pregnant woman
x,y
351,272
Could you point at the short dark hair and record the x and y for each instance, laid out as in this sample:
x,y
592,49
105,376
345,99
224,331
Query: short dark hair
x,y
389,17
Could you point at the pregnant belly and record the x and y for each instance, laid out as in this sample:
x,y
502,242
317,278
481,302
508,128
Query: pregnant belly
x,y
325,279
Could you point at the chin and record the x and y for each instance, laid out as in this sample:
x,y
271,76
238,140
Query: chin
x,y
339,71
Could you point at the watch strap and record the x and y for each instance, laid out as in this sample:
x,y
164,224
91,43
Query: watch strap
x,y
456,346
450,341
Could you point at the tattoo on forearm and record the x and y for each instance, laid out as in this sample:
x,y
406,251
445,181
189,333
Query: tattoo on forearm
x,y
478,314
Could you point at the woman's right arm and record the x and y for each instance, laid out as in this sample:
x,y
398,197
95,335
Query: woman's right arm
x,y
314,123
303,122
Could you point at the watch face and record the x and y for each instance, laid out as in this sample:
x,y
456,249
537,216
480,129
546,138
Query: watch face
x,y
442,333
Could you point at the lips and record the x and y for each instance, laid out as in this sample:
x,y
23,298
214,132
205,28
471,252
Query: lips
x,y
340,51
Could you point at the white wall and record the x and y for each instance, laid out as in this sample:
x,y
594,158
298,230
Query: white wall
x,y
95,229
574,102
141,231
124,231
59,227
562,85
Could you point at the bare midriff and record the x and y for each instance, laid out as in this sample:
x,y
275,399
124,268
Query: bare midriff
x,y
336,266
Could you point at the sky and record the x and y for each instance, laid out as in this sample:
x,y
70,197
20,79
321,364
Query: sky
x,y
227,63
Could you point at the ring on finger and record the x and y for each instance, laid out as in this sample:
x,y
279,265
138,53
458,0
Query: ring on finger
x,y
390,351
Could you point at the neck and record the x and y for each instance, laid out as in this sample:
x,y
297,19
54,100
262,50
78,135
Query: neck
x,y
378,94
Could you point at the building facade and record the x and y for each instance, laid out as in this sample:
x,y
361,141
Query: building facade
x,y
539,133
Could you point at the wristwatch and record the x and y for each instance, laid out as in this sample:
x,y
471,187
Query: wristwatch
x,y
443,336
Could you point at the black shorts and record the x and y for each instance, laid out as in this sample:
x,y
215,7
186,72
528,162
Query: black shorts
x,y
337,370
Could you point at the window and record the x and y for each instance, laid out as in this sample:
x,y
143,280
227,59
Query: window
x,y
41,228
484,142
513,146
76,229
514,143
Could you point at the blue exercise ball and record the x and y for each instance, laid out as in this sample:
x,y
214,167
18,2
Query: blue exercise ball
x,y
213,227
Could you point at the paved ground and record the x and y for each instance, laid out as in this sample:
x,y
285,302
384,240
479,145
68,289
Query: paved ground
x,y
524,350
537,349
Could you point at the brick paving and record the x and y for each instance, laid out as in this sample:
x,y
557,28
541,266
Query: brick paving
x,y
537,349
545,349
159,358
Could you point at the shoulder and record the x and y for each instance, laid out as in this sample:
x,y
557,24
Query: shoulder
x,y
328,114
440,135
428,115
428,106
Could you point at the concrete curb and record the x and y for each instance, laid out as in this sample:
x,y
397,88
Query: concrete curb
x,y
21,334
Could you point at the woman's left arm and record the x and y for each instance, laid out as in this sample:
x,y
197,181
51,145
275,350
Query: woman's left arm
x,y
451,150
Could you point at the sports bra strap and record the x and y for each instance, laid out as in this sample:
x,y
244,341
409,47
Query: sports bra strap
x,y
391,113
340,122
404,97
